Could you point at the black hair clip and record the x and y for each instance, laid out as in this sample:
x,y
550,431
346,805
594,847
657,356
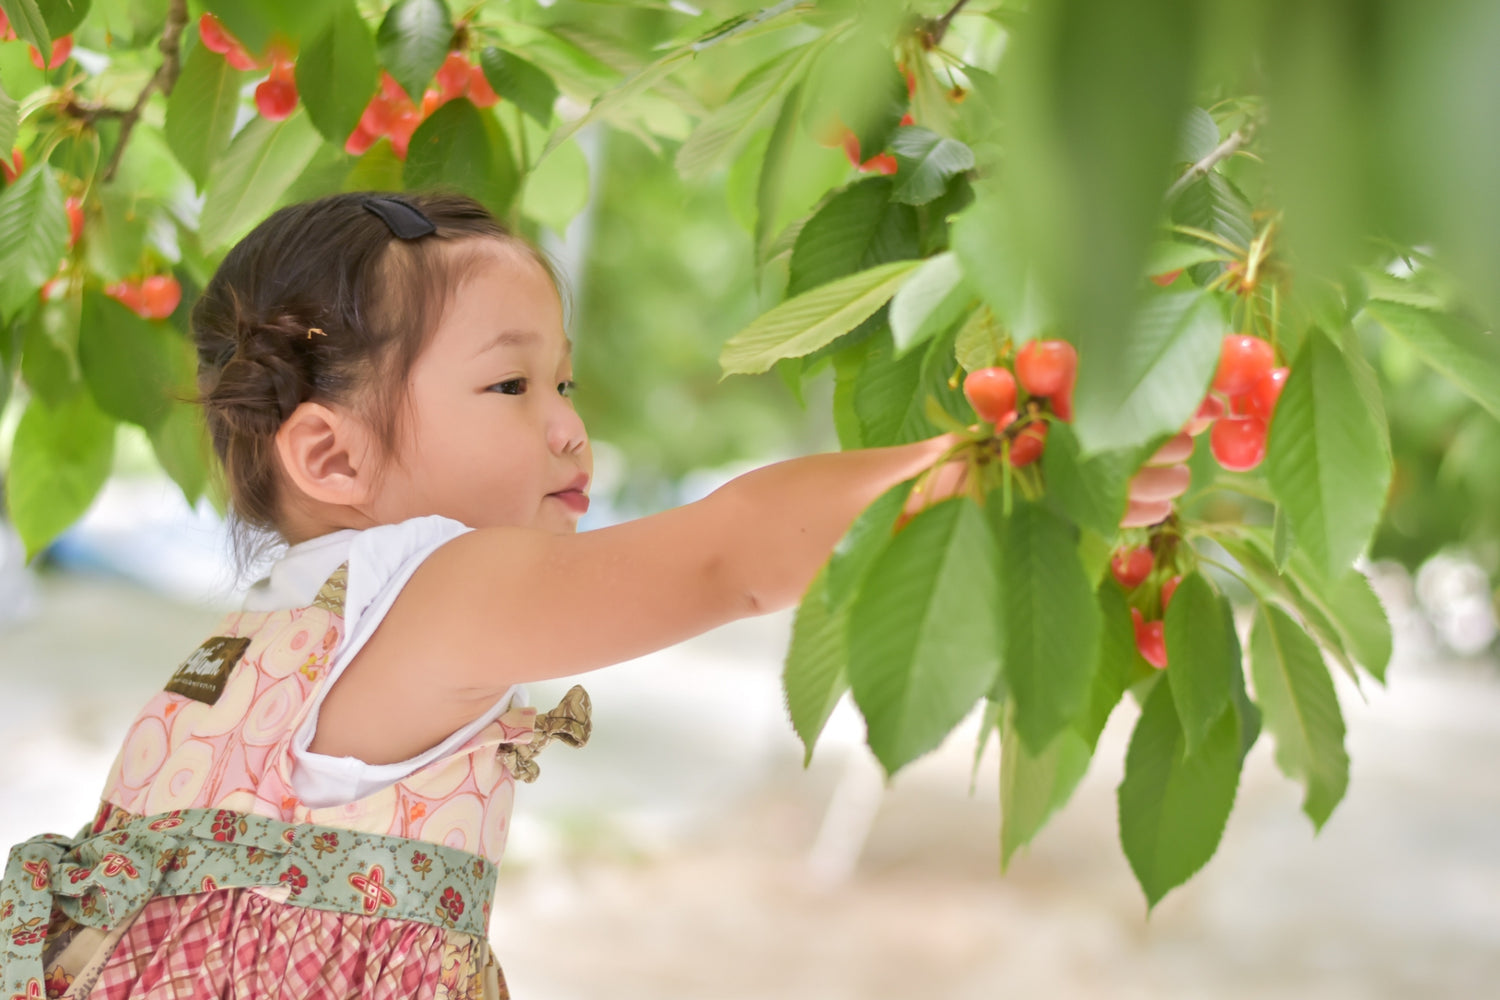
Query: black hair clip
x,y
405,220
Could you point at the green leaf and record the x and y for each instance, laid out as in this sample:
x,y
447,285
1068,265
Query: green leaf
x,y
979,340
1117,659
1203,653
462,147
989,724
336,73
1301,710
1325,458
1050,619
1199,136
201,112
924,163
728,128
1172,255
933,300
816,674
1466,355
262,162
1091,491
116,233
922,642
1173,806
857,228
1214,205
33,236
58,462
1356,611
10,119
27,21
127,361
801,325
862,544
524,84
181,445
891,395
63,16
856,82
413,41
1160,375
1034,786
557,189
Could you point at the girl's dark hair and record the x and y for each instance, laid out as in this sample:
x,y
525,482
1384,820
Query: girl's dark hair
x,y
329,265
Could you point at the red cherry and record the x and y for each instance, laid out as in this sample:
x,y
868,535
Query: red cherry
x,y
911,81
1028,445
401,132
7,33
480,91
432,99
1239,443
240,58
130,295
1150,639
1167,590
453,76
992,393
379,115
216,38
360,140
392,91
1062,403
881,163
1046,366
851,147
160,296
15,168
1211,409
74,208
61,49
1131,566
907,119
1262,397
1243,359
276,98
1166,277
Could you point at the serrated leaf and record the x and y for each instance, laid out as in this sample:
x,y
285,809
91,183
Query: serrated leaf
x,y
1198,137
816,673
1466,355
1162,371
33,236
801,325
127,361
933,300
1050,619
524,84
49,353
925,161
1117,658
857,228
1172,255
59,460
201,112
27,22
1301,710
728,128
989,724
336,73
1034,786
891,395
180,442
1281,538
413,41
1356,611
980,341
922,642
1173,807
262,162
63,16
1214,205
1092,491
1325,458
866,538
461,147
10,119
1203,652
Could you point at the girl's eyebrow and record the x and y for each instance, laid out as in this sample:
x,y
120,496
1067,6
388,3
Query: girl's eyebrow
x,y
519,338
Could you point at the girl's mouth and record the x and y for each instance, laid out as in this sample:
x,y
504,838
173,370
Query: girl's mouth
x,y
574,500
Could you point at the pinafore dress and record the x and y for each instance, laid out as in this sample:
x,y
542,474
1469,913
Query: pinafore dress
x,y
202,875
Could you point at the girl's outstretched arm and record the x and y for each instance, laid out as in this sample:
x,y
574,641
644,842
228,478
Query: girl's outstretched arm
x,y
499,606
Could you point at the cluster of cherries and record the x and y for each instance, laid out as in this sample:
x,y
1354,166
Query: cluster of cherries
x,y
392,114
156,297
839,134
276,95
1239,407
1046,370
61,47
1131,568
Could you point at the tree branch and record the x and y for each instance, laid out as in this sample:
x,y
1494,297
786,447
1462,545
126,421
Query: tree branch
x,y
1223,151
164,80
940,26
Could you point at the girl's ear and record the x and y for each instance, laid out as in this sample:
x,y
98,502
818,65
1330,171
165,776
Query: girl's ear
x,y
326,454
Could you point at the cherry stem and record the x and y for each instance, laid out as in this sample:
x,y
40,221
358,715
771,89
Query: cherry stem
x,y
940,26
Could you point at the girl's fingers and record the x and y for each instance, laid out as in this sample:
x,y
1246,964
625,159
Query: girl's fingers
x,y
1174,451
947,481
1139,513
1154,484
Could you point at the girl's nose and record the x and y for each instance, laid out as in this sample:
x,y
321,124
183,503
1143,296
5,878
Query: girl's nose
x,y
565,432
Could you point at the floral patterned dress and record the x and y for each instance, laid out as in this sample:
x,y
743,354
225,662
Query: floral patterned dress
x,y
202,875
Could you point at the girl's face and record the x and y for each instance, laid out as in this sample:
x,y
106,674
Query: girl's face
x,y
490,436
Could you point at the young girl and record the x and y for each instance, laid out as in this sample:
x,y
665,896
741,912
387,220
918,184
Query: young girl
x,y
315,804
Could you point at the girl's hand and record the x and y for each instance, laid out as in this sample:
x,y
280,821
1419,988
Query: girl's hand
x,y
1161,480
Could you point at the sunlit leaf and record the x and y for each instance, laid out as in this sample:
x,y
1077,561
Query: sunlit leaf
x,y
201,111
1203,652
1034,786
413,41
933,300
1466,355
336,73
925,162
58,462
33,235
816,673
524,84
262,162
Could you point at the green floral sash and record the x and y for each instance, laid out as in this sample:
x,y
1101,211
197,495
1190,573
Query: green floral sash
x,y
103,879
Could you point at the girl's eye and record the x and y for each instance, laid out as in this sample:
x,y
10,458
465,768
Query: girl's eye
x,y
511,387
567,388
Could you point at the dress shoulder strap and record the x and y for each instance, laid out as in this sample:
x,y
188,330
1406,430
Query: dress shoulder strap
x,y
331,594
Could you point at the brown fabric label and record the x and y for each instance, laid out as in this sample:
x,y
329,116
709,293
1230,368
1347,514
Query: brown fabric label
x,y
203,675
